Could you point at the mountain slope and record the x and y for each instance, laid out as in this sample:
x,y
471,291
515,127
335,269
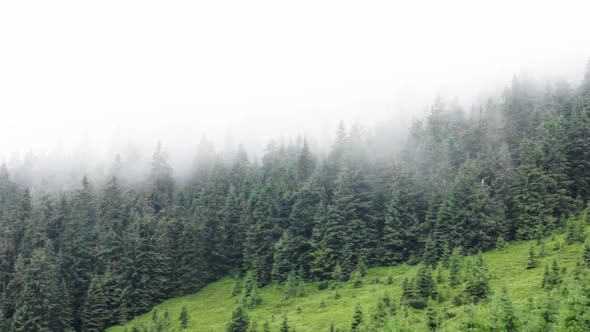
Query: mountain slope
x,y
211,308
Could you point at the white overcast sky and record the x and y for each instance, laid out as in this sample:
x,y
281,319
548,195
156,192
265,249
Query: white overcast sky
x,y
108,71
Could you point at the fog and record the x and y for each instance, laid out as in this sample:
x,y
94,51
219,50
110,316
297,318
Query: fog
x,y
84,81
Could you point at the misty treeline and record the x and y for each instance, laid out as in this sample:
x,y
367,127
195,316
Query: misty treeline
x,y
513,168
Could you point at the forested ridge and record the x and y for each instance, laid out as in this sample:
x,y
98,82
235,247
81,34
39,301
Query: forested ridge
x,y
513,168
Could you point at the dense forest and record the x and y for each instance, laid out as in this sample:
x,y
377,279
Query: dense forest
x,y
513,168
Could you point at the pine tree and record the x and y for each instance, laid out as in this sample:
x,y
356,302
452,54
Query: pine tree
x,y
454,267
433,319
357,319
284,325
477,287
260,235
79,238
509,317
94,313
305,163
357,279
293,286
532,263
400,230
501,243
361,267
552,276
162,191
586,254
184,317
425,282
239,320
337,274
39,305
431,255
253,327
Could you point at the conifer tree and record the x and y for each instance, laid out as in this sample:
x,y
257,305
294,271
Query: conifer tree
x,y
586,254
357,319
94,313
239,321
184,317
284,325
532,263
477,287
501,243
425,282
454,267
40,304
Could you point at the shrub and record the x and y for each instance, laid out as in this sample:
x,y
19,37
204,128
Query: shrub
x,y
323,285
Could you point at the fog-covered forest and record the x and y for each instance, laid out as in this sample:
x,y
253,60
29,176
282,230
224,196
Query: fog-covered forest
x,y
109,248
309,166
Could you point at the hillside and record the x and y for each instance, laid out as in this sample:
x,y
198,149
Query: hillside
x,y
211,308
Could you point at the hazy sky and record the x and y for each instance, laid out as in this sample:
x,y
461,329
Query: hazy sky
x,y
109,71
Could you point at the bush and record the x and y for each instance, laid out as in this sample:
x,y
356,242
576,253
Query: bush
x,y
389,280
357,280
323,285
459,300
418,303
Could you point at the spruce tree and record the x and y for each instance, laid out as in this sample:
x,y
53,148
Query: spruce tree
x,y
95,311
455,267
532,263
239,320
477,287
425,282
184,317
284,325
586,254
357,319
40,304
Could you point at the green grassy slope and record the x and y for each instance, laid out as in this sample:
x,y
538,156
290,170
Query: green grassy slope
x,y
211,307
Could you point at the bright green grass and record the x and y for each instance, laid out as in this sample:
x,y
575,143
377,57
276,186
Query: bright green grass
x,y
211,308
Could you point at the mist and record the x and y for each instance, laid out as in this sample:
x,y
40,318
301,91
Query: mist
x,y
82,83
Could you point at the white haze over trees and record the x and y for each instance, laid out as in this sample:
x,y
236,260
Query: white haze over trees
x,y
83,82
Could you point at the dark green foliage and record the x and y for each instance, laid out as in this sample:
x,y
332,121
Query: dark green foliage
x,y
95,313
552,276
575,232
184,317
40,304
455,267
501,243
384,310
542,250
401,223
294,286
389,280
433,318
586,254
532,262
239,321
284,325
361,267
477,287
109,249
509,316
357,319
425,284
356,279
